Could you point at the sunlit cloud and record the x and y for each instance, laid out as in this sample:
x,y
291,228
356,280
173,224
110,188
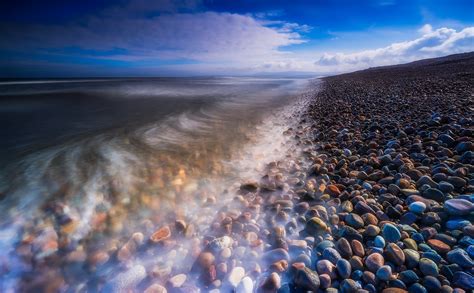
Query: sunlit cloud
x,y
432,43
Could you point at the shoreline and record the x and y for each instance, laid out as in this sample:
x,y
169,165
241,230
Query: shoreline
x,y
375,195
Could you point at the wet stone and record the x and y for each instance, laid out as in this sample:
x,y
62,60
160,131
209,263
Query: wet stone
x,y
344,248
235,276
331,254
463,280
343,268
417,207
432,284
395,254
384,273
439,246
324,266
349,285
391,233
307,279
428,267
412,258
354,220
460,257
458,207
434,194
245,286
374,262
315,226
271,283
358,248
408,277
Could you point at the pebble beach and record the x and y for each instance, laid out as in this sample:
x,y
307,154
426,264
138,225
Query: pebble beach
x,y
371,189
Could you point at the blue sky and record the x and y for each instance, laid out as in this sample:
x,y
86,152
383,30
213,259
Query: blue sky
x,y
209,37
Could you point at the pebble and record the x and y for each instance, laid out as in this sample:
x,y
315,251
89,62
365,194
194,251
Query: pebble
x,y
417,288
458,207
235,276
343,268
391,233
384,273
417,207
325,281
176,281
460,257
271,284
439,246
395,254
432,284
161,234
428,267
344,247
245,286
354,220
408,277
349,285
412,258
315,226
379,241
358,248
326,267
219,244
374,262
155,288
307,279
463,280
331,254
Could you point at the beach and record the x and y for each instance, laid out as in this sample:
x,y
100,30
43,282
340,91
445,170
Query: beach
x,y
360,182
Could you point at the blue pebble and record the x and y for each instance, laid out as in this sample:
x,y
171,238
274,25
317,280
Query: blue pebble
x,y
424,247
417,207
409,277
457,224
357,275
445,187
370,288
408,218
469,197
331,254
397,284
343,267
418,237
323,245
433,255
470,250
391,233
466,241
417,288
367,186
464,280
379,242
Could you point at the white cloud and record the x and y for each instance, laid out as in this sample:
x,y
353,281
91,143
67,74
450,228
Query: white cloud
x,y
426,29
432,43
200,36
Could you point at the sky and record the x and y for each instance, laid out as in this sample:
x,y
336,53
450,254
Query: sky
x,y
90,38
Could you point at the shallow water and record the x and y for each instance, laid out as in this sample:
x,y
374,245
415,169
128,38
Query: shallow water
x,y
88,164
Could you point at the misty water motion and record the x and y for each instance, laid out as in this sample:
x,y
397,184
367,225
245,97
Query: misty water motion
x,y
94,167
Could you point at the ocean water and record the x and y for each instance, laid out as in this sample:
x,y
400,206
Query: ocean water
x,y
89,164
